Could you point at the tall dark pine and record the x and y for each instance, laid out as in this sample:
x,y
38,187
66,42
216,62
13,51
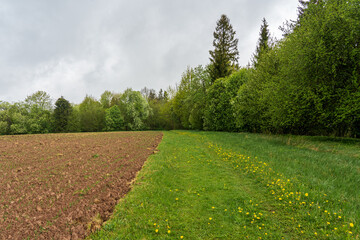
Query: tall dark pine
x,y
225,56
62,113
263,43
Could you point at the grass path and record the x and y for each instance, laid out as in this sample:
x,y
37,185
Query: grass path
x,y
204,185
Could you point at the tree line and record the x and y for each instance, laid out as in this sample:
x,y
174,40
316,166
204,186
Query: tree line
x,y
305,83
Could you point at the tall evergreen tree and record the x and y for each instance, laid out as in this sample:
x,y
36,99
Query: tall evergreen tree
x,y
225,56
263,43
62,114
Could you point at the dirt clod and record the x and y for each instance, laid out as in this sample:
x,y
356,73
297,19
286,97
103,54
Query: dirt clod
x,y
53,182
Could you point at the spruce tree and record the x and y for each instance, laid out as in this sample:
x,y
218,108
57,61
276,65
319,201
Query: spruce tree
x,y
62,114
263,43
225,56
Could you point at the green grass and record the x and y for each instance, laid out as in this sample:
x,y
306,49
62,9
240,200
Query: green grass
x,y
206,185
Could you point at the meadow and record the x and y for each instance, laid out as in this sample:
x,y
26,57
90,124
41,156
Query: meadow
x,y
216,185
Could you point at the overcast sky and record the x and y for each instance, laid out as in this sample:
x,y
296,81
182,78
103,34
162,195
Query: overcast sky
x,y
73,48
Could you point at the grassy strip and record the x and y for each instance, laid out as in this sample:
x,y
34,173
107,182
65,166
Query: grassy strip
x,y
205,185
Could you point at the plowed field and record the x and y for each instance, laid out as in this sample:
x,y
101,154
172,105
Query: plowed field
x,y
63,186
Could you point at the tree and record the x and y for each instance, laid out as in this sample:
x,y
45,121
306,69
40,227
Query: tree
x,y
114,120
39,99
225,56
106,98
39,107
92,115
219,111
135,109
189,101
263,43
62,113
74,120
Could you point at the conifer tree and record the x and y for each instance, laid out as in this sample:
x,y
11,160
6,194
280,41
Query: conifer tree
x,y
225,56
62,114
263,43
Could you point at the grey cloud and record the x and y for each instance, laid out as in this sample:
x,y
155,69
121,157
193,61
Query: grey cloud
x,y
73,48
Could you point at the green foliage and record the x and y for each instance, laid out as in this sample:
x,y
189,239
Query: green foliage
x,y
190,99
39,108
13,118
158,117
225,56
263,43
219,111
40,99
92,115
74,124
308,83
106,98
62,113
114,120
135,109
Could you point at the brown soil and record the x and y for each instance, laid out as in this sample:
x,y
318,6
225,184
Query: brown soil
x,y
64,186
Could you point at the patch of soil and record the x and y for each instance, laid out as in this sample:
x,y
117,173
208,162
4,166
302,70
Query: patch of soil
x,y
64,186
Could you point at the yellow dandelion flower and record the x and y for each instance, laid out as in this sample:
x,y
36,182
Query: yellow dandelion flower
x,y
351,225
169,231
156,230
210,218
181,237
306,194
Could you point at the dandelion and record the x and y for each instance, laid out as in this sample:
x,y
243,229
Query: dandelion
x,y
181,237
351,225
156,230
306,194
176,199
210,218
169,231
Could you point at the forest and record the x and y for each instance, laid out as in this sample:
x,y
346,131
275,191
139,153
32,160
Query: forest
x,y
306,83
